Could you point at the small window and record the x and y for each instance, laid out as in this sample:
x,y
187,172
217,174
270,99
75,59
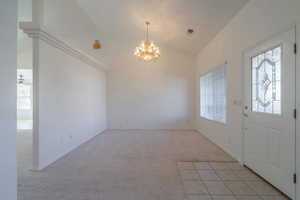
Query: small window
x,y
213,95
24,89
266,82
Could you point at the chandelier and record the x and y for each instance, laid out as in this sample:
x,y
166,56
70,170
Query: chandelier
x,y
147,50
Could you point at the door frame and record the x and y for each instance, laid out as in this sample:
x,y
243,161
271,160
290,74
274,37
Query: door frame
x,y
244,53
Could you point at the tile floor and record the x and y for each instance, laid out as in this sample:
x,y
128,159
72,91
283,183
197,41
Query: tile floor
x,y
223,181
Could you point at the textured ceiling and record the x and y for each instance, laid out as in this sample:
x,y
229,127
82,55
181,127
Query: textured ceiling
x,y
119,24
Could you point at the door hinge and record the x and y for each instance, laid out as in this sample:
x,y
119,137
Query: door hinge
x,y
295,48
295,178
295,113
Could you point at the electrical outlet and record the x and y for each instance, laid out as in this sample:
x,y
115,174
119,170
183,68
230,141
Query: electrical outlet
x,y
237,102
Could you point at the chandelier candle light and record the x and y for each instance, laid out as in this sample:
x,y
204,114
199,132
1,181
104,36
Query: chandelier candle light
x,y
147,50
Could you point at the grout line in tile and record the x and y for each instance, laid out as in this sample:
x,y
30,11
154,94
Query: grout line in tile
x,y
181,181
223,181
205,185
215,171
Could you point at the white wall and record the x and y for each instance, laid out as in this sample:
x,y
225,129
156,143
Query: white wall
x,y
8,71
257,21
154,95
72,103
71,100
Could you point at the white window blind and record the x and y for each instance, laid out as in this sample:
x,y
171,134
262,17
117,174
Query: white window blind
x,y
213,95
24,90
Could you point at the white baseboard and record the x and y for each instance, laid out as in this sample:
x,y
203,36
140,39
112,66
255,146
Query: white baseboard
x,y
220,146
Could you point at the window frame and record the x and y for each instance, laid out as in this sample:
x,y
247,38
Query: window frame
x,y
225,90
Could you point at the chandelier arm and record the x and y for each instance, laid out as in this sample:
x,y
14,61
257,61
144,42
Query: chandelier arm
x,y
147,51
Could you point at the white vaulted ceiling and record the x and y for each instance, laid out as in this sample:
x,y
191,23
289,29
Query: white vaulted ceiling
x,y
119,24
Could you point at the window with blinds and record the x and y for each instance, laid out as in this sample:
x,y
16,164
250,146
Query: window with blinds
x,y
213,95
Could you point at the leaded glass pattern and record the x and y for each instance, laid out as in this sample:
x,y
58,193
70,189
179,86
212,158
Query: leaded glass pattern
x,y
266,81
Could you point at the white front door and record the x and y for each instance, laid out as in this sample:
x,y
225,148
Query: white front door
x,y
269,103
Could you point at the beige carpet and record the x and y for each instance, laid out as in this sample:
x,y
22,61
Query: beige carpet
x,y
117,165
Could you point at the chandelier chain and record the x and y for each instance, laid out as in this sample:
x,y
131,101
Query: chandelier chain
x,y
147,34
